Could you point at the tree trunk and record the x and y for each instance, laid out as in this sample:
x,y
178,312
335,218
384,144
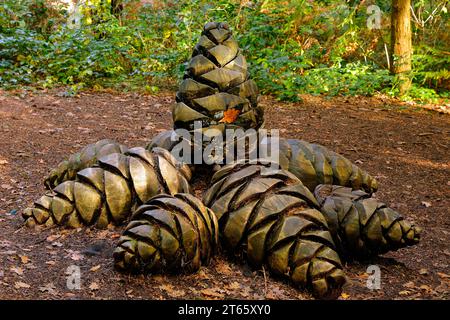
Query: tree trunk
x,y
401,43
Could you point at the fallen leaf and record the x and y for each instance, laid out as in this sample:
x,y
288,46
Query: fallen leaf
x,y
212,292
426,204
94,269
409,285
21,285
229,116
171,291
129,294
17,270
50,263
275,293
94,286
426,288
24,259
233,286
423,271
6,186
75,255
53,237
345,296
223,268
3,161
443,275
202,275
404,292
49,288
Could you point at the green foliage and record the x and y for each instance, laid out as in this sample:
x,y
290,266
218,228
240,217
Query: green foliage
x,y
293,47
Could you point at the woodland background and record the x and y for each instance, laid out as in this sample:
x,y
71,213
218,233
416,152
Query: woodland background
x,y
321,47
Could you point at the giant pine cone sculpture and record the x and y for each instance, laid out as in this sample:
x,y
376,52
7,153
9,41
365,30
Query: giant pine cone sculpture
x,y
168,233
361,225
268,216
216,89
87,157
108,193
314,164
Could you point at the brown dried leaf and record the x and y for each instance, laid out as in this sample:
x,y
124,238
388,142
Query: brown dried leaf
x,y
223,268
171,291
404,293
24,259
21,285
233,286
94,286
426,204
423,271
53,237
96,268
213,292
17,270
49,288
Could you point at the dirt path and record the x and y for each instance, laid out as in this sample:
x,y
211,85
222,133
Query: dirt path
x,y
407,150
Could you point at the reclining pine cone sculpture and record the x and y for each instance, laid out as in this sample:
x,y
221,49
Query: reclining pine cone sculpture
x,y
108,193
363,226
268,216
87,157
314,164
216,89
168,233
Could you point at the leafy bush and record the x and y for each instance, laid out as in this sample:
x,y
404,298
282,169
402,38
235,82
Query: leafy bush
x,y
293,47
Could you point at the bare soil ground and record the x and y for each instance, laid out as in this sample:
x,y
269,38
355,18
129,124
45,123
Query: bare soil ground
x,y
405,148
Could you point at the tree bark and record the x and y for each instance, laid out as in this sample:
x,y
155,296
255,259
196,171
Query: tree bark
x,y
401,43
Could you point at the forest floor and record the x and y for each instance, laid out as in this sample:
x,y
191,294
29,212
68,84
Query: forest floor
x,y
406,148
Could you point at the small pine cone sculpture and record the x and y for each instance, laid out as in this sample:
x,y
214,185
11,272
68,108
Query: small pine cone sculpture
x,y
216,89
314,164
109,192
268,217
87,157
363,226
168,234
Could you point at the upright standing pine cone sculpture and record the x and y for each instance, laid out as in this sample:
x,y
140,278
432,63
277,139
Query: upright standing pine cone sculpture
x,y
168,233
363,226
108,193
87,157
216,89
268,216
